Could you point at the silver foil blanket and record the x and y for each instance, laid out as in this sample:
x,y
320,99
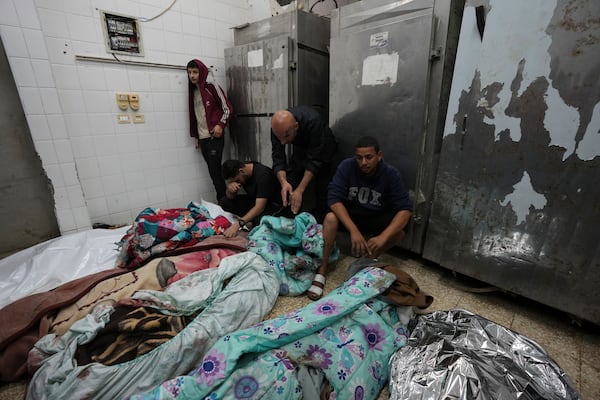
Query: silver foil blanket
x,y
459,355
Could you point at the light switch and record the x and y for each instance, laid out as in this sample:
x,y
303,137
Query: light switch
x,y
123,101
134,101
123,119
138,118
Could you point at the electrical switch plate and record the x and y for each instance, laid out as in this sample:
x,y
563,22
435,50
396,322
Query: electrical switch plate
x,y
123,119
123,101
134,101
138,118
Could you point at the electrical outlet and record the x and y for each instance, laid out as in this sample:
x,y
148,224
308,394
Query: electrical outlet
x,y
134,101
138,118
123,119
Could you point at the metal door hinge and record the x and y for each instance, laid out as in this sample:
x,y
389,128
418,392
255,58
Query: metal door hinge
x,y
435,54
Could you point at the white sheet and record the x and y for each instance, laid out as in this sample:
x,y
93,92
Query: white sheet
x,y
50,264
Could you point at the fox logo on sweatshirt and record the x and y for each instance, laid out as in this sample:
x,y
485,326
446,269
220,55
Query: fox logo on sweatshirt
x,y
364,195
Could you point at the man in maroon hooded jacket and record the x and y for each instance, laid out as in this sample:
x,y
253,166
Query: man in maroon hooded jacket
x,y
210,111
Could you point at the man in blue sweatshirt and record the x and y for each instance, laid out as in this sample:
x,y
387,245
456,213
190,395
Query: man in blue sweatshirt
x,y
367,196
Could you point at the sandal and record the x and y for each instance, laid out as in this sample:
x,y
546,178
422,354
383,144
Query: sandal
x,y
316,289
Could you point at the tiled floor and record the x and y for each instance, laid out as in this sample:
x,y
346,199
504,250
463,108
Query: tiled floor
x,y
575,348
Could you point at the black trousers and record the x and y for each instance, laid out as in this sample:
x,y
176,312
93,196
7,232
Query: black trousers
x,y
212,151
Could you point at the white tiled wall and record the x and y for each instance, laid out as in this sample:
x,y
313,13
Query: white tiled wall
x,y
102,171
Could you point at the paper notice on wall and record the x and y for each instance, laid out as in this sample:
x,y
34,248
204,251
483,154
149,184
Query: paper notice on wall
x,y
278,63
380,69
255,58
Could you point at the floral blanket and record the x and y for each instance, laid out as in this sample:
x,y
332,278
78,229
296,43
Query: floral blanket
x,y
293,247
156,231
349,335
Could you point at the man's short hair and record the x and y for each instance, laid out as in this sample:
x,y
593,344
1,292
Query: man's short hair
x,y
192,64
367,141
231,168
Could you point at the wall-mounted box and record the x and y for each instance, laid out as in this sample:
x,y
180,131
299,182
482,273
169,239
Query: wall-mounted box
x,y
122,34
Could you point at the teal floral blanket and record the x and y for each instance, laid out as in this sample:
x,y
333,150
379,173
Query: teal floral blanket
x,y
349,335
293,247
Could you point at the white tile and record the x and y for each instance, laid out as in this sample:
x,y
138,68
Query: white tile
x,y
210,48
208,28
153,39
146,102
27,14
54,23
82,28
139,81
8,14
69,174
116,79
82,147
91,77
38,126
87,168
43,73
101,124
56,124
191,24
174,193
57,5
164,121
109,165
81,7
49,98
135,180
64,152
162,101
159,82
156,195
118,201
54,173
13,41
130,163
82,218
92,188
138,199
76,124
71,101
66,221
75,196
128,8
174,42
65,77
172,21
98,101
30,98
36,46
189,7
61,198
126,144
206,8
105,145
97,207
59,51
46,152
179,101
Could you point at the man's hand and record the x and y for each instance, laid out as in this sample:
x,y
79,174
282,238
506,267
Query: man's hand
x,y
376,245
232,230
217,131
360,248
286,192
233,187
197,144
296,200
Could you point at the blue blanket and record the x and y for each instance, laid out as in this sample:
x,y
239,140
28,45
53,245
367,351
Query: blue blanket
x,y
349,335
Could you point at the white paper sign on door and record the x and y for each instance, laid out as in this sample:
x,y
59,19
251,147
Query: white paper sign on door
x,y
380,69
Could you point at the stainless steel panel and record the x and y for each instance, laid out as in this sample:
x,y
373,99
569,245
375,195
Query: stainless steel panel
x,y
258,85
516,196
277,63
380,58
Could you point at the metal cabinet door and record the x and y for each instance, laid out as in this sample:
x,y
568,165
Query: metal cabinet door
x,y
517,196
379,72
258,78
